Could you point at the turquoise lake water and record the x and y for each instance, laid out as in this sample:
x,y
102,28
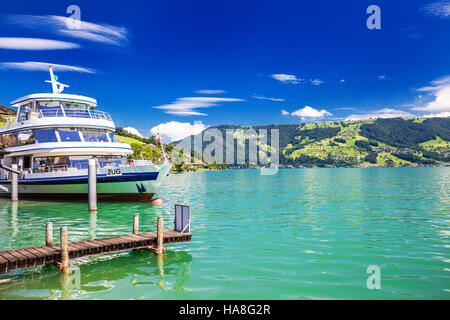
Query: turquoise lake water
x,y
299,234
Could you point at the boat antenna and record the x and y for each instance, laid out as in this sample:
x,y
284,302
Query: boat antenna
x,y
57,87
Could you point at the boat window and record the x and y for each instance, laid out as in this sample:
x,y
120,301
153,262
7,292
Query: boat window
x,y
44,104
25,137
50,164
75,106
45,135
9,140
109,161
92,135
79,162
112,137
69,134
51,108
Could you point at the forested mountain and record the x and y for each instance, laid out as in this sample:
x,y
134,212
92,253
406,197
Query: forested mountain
x,y
380,142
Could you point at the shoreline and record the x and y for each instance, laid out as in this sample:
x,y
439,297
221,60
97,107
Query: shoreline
x,y
350,167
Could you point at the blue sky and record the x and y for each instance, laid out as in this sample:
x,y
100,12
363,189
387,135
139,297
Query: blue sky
x,y
233,62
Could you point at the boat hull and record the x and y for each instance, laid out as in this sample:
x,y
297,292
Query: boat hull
x,y
134,183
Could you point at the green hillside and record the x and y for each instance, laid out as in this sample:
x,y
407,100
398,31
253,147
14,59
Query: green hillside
x,y
8,110
381,142
5,111
129,140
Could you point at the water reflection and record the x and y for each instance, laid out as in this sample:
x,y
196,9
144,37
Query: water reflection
x,y
143,268
93,224
15,228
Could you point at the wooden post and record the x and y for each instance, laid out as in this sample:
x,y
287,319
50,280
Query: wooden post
x,y
136,223
64,266
49,234
92,185
14,184
160,237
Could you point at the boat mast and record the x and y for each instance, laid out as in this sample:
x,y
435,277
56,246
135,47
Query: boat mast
x,y
57,87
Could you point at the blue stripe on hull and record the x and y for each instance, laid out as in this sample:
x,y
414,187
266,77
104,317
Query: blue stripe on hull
x,y
125,177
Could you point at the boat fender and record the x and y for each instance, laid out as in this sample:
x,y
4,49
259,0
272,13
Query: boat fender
x,y
157,201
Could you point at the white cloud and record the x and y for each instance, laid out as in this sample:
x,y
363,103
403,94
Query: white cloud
x,y
316,82
35,44
310,113
439,9
382,77
210,91
43,66
342,80
266,98
103,33
174,131
383,113
440,89
286,78
186,106
438,115
285,113
133,131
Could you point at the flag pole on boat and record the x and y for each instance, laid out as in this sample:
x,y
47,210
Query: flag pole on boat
x,y
158,138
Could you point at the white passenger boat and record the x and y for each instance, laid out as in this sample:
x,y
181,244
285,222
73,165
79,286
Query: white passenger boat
x,y
53,137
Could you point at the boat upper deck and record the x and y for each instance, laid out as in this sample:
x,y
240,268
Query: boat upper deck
x,y
59,124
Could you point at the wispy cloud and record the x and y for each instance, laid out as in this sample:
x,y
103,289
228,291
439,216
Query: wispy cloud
x,y
35,44
440,90
284,112
316,82
309,113
382,77
383,113
439,9
210,91
287,78
293,79
411,32
255,96
43,66
103,33
186,106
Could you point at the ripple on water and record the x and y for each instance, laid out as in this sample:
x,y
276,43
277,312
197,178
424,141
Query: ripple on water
x,y
301,234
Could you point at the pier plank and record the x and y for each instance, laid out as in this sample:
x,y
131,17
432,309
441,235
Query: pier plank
x,y
33,256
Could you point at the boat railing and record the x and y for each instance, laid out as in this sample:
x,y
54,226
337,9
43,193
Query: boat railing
x,y
53,168
77,167
141,162
61,112
84,166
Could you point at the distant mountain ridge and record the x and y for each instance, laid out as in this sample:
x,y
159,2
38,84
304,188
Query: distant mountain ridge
x,y
374,142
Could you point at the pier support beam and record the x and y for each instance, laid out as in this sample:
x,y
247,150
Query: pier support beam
x,y
92,185
14,184
64,264
136,223
49,234
160,237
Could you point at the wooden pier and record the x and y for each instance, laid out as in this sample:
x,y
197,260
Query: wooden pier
x,y
57,254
